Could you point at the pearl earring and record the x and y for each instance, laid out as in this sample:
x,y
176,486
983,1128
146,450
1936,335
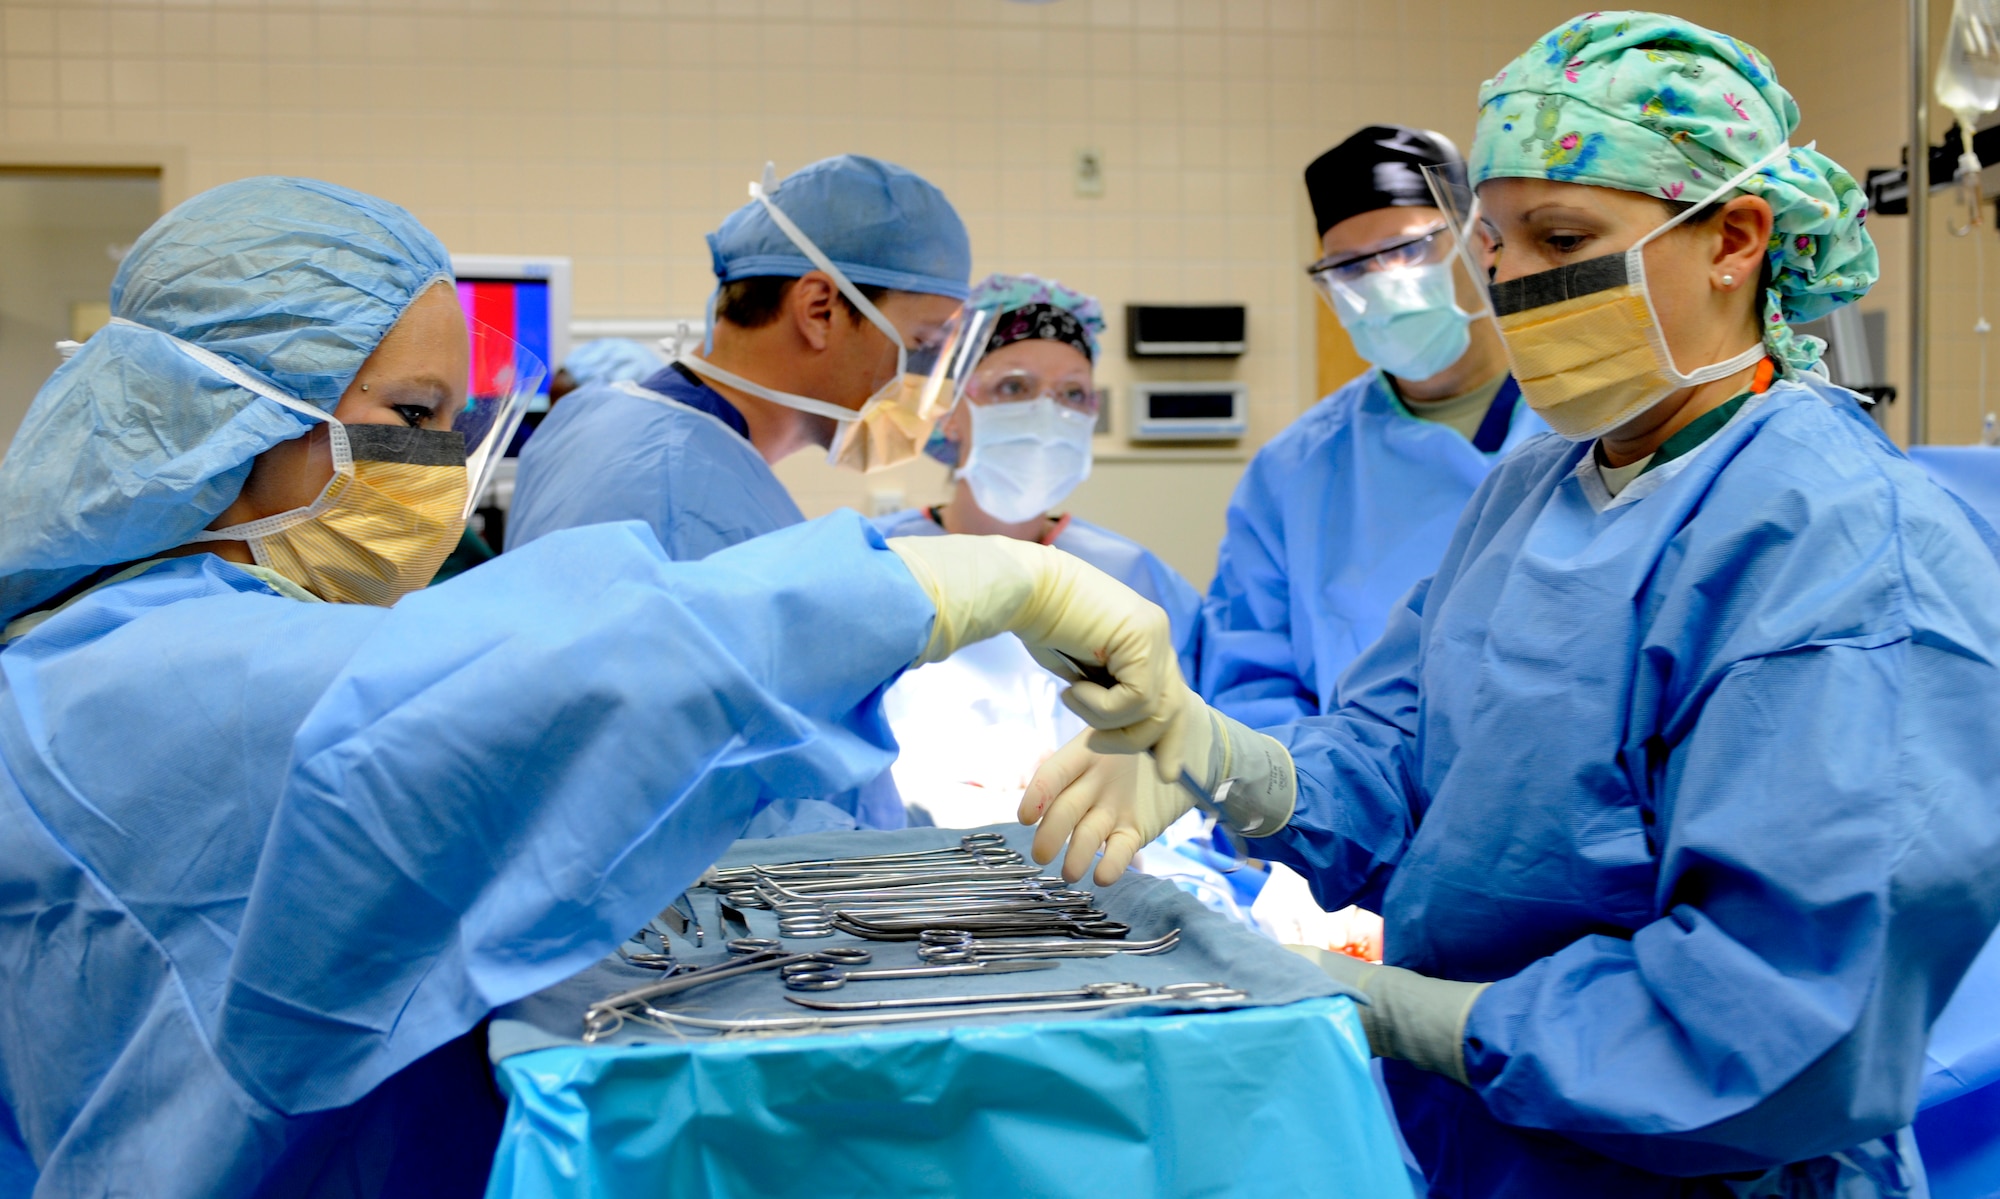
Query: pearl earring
x,y
1729,280
364,387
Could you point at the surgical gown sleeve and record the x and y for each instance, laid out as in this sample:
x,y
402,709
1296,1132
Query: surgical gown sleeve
x,y
491,784
1358,802
1820,840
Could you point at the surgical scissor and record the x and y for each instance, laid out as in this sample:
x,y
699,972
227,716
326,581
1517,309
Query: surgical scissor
x,y
749,955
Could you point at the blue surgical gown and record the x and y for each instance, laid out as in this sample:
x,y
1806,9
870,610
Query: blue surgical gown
x,y
259,855
1120,557
1333,521
1701,779
684,465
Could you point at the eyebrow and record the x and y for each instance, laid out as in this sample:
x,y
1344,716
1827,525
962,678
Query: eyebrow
x,y
434,388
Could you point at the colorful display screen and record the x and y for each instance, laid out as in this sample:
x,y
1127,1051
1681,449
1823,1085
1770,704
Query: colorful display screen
x,y
518,308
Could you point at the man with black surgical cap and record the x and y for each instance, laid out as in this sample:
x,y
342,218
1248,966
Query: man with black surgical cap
x,y
1341,513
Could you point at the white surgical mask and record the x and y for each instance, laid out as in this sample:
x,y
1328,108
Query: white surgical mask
x,y
1027,456
1405,320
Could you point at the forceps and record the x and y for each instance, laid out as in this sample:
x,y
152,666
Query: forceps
x,y
1058,924
1086,991
957,945
825,976
1174,992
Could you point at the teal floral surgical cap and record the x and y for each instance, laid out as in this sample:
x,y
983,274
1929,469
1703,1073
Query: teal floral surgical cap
x,y
1651,103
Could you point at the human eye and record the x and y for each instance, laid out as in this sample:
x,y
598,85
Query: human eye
x,y
414,415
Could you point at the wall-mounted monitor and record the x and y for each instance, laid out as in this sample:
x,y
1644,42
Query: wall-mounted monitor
x,y
527,297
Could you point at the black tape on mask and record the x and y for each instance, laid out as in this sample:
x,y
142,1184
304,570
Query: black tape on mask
x,y
1543,288
403,443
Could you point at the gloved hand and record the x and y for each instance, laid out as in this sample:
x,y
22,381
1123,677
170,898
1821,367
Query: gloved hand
x,y
1066,611
1094,800
1409,1016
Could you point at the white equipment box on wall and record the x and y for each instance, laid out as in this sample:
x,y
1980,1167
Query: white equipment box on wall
x,y
1189,411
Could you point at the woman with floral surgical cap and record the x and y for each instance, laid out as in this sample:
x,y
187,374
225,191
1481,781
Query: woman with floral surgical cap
x,y
1675,785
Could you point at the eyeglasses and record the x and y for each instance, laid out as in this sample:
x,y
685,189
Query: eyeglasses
x,y
1016,386
1421,250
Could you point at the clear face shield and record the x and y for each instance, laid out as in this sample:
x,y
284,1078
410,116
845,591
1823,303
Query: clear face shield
x,y
503,379
1383,282
896,422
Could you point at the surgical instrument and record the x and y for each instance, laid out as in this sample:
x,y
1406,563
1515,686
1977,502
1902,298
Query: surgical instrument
x,y
823,976
1173,993
1086,991
680,916
972,846
750,955
956,945
1016,925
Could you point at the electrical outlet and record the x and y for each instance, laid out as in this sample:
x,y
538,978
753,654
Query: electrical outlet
x,y
1089,173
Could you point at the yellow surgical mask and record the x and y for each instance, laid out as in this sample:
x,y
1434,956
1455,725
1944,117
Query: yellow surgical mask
x,y
890,430
1585,339
383,524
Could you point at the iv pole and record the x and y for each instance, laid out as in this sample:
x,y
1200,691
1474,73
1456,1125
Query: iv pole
x,y
1918,173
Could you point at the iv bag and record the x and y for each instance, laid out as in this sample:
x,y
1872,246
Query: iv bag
x,y
1968,77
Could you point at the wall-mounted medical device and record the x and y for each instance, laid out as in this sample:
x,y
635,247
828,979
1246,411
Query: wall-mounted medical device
x,y
1185,330
526,297
1189,411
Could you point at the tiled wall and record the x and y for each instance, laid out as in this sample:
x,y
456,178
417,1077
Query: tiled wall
x,y
620,131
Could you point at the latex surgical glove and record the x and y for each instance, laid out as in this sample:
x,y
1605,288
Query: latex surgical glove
x,y
1409,1016
1067,612
1113,804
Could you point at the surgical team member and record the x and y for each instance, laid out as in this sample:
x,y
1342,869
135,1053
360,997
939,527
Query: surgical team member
x,y
973,728
823,284
277,830
1675,784
1342,512
604,360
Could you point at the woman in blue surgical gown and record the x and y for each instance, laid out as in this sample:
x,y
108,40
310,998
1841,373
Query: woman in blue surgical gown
x,y
267,861
1675,785
973,728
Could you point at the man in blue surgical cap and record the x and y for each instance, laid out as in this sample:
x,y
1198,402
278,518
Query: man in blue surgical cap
x,y
825,282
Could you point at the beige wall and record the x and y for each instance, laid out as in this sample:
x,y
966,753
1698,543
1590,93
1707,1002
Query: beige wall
x,y
620,131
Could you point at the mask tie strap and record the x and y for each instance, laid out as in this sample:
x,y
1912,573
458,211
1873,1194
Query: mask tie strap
x,y
708,370
343,456
1635,274
840,280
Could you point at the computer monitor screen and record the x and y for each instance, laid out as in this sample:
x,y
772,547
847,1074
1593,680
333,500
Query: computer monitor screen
x,y
518,308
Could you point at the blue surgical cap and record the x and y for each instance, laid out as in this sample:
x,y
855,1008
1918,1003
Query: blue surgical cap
x,y
880,224
612,360
133,447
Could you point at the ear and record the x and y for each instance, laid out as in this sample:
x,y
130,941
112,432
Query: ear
x,y
809,305
1746,236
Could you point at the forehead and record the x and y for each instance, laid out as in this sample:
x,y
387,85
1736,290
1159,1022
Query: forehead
x,y
1040,356
1504,200
1383,226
